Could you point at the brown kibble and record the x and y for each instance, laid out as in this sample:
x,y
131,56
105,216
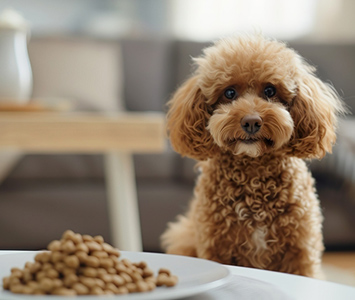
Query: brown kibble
x,y
108,292
112,287
87,238
82,256
113,257
126,277
164,271
80,288
43,257
56,256
151,285
54,245
106,277
136,276
39,292
46,284
172,281
6,283
57,283
111,270
16,272
93,246
132,287
52,273
127,263
77,238
33,284
97,291
118,280
120,267
28,290
101,271
141,265
99,239
84,265
100,254
142,286
72,261
47,266
87,281
14,280
82,247
151,279
106,263
162,279
107,247
63,292
27,276
92,261
66,271
110,250
89,272
35,267
38,257
147,272
70,279
68,234
115,252
40,275
17,288
46,257
68,247
122,290
59,266
99,282
129,271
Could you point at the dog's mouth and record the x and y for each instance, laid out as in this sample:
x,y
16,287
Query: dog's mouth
x,y
250,140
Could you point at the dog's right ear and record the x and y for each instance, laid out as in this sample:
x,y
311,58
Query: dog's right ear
x,y
187,121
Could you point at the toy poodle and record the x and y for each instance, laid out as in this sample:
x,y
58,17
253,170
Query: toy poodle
x,y
250,113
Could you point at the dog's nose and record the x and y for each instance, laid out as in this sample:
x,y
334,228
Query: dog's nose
x,y
251,123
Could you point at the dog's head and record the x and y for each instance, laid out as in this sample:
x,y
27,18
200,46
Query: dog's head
x,y
251,96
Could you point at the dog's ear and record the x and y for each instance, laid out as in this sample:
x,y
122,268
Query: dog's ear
x,y
187,121
314,111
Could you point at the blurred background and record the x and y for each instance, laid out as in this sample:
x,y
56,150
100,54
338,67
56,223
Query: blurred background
x,y
110,55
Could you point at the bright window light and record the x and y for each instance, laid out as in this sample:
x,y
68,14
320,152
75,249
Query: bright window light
x,y
209,19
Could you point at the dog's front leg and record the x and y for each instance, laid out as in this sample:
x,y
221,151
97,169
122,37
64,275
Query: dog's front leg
x,y
180,237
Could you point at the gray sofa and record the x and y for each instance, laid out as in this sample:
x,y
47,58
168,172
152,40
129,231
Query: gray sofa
x,y
47,194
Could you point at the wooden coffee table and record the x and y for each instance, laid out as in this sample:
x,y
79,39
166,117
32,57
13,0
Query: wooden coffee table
x,y
115,135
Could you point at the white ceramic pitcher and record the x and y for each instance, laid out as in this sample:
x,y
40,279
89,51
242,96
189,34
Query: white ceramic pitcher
x,y
15,67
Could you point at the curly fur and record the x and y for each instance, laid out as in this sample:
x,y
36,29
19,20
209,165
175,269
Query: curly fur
x,y
254,203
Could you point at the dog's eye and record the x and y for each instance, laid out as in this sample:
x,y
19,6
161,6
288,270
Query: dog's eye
x,y
270,91
230,93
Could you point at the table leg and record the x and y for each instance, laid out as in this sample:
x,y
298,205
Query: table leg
x,y
122,201
8,160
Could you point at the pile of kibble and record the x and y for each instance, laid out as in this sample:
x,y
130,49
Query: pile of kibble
x,y
84,265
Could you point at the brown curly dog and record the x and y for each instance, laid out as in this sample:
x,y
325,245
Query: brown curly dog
x,y
251,112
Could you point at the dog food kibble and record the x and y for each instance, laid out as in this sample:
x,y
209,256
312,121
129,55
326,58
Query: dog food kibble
x,y
84,265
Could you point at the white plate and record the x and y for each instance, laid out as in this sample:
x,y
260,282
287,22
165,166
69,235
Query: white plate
x,y
195,275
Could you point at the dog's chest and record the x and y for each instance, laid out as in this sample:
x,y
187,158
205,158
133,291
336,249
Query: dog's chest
x,y
256,193
254,207
245,201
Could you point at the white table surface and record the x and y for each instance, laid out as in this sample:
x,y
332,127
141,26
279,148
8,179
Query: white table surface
x,y
248,283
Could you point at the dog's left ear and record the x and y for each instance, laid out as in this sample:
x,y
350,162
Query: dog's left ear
x,y
186,122
314,111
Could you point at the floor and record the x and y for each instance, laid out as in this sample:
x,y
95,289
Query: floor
x,y
339,267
